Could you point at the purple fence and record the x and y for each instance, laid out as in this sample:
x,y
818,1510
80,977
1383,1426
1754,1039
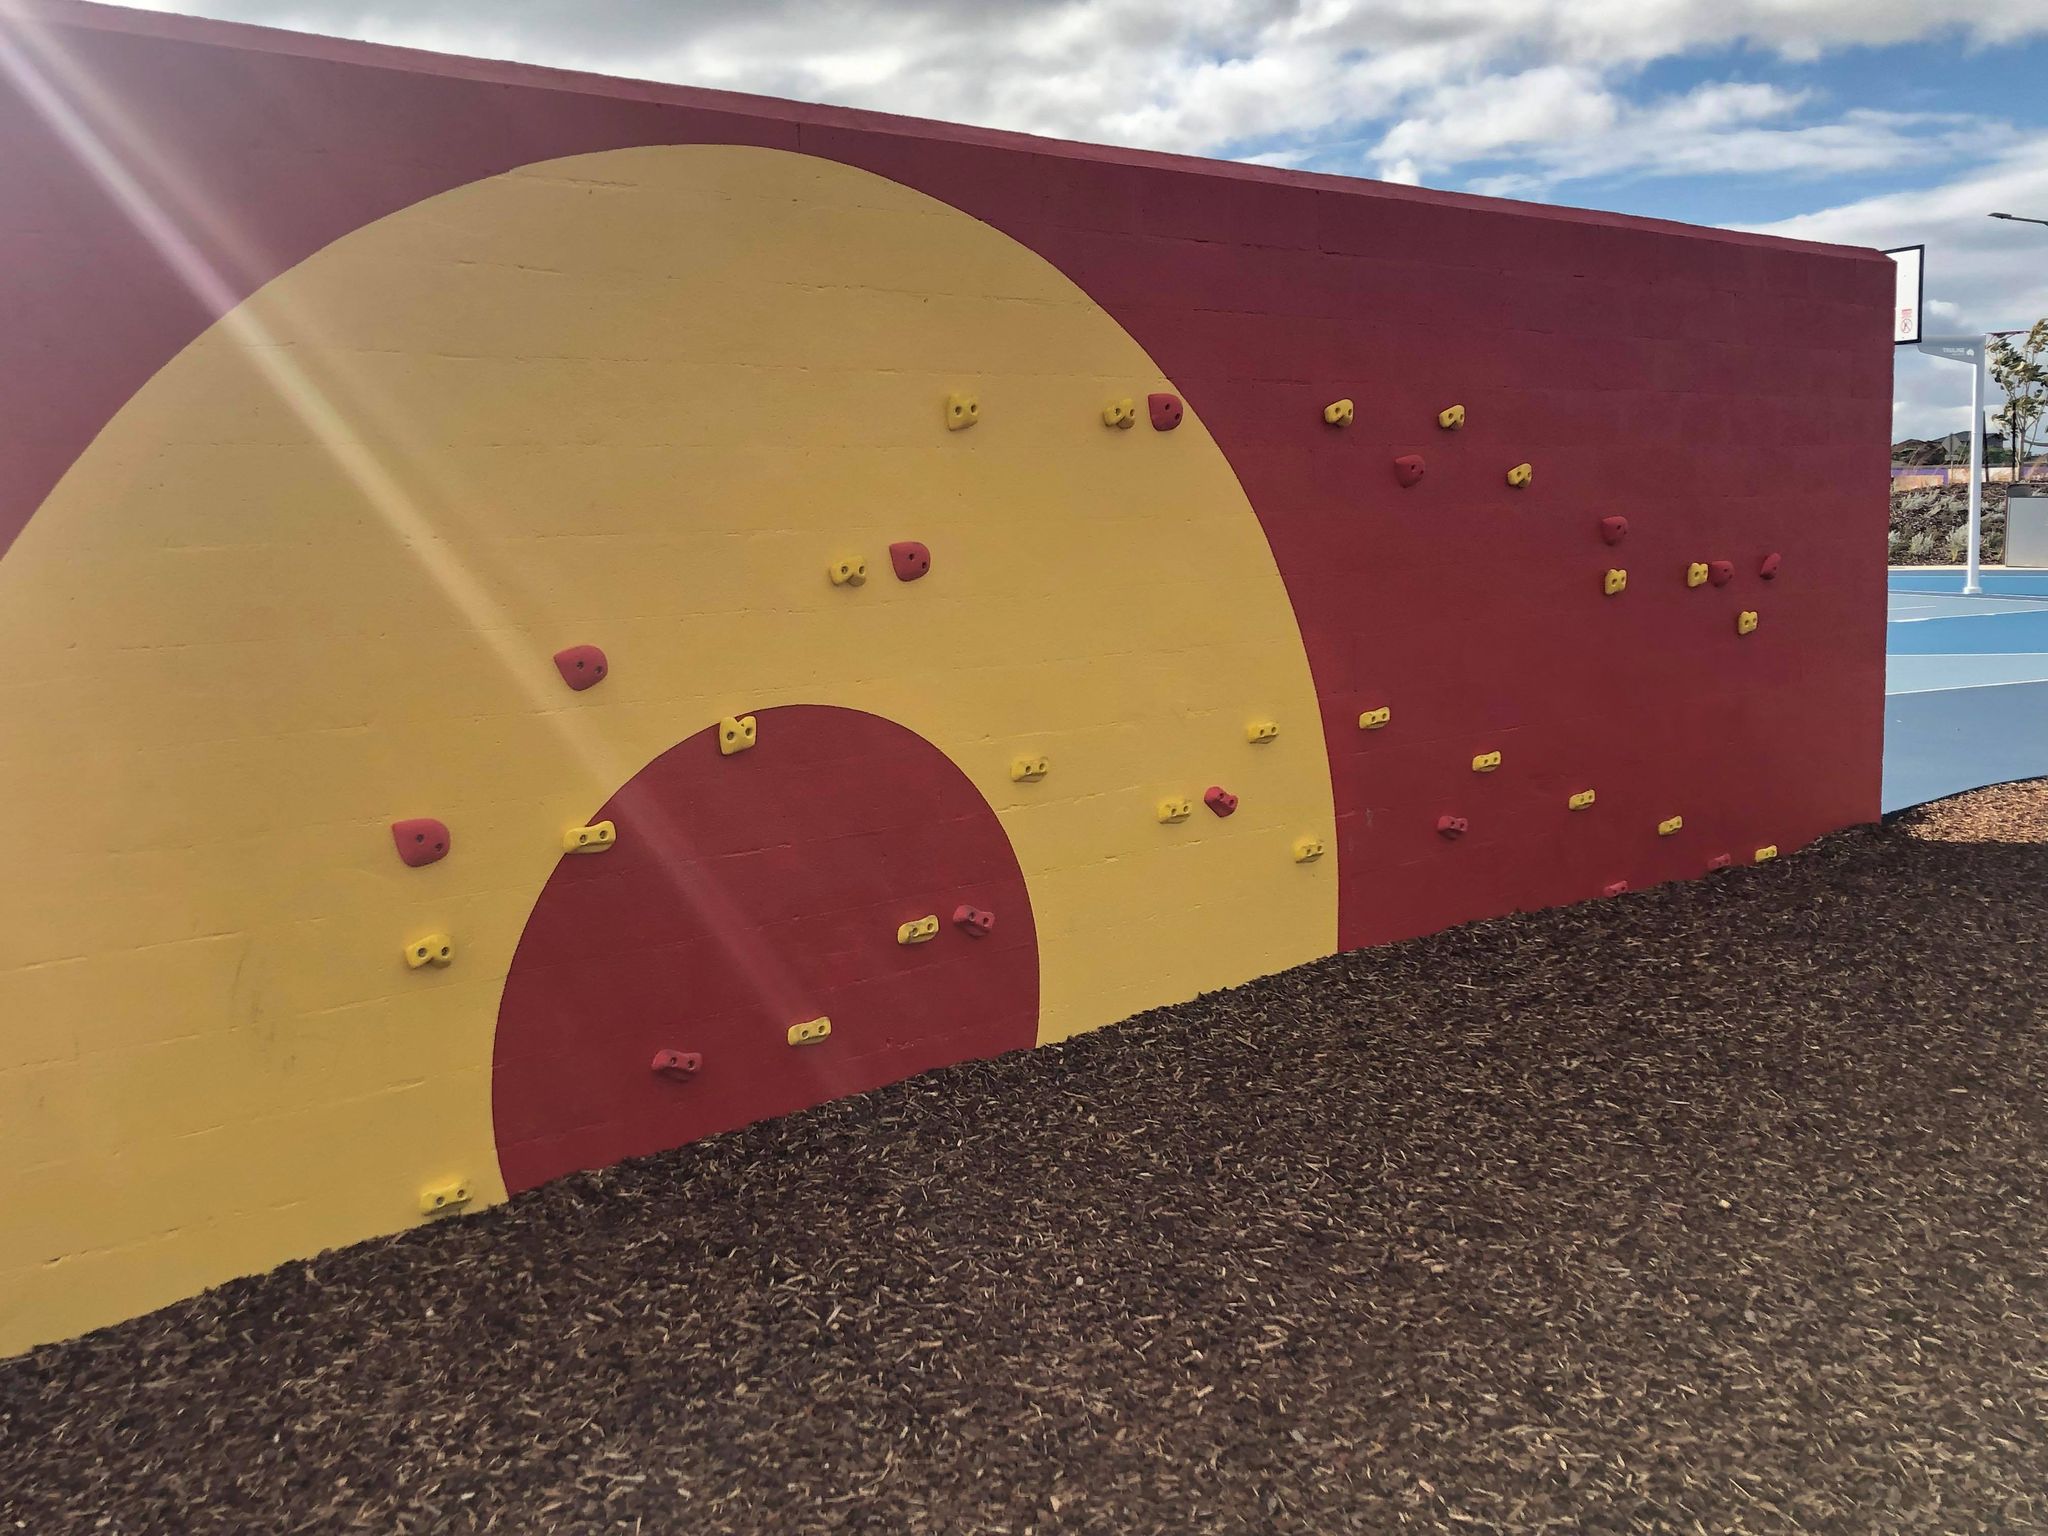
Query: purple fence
x,y
1959,474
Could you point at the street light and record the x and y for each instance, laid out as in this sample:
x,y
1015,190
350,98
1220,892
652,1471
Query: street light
x,y
2020,218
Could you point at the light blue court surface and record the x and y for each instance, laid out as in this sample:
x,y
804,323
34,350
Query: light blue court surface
x,y
1966,683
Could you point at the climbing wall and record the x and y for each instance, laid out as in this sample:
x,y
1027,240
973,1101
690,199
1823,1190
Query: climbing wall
x,y
550,618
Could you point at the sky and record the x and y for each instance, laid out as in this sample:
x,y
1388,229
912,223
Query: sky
x,y
1866,122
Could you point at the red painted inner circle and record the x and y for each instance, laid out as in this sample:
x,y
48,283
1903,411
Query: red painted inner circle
x,y
745,894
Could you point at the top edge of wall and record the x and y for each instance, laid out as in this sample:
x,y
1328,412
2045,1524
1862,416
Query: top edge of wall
x,y
91,16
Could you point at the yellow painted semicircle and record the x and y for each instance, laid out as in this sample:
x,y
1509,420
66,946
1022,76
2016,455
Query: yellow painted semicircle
x,y
309,581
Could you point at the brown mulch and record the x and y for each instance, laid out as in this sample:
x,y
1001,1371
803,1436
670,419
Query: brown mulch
x,y
2012,813
1718,1208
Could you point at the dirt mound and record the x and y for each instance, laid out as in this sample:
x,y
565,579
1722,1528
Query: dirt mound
x,y
1929,525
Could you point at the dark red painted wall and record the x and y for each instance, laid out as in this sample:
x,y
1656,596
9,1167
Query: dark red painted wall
x,y
1728,394
745,894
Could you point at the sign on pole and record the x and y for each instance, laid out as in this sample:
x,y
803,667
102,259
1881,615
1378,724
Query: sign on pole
x,y
1957,349
1910,262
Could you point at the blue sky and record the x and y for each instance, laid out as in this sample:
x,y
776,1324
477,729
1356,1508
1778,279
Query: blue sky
x,y
1942,100
1868,122
1946,94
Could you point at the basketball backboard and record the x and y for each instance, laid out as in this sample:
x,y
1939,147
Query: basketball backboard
x,y
1910,264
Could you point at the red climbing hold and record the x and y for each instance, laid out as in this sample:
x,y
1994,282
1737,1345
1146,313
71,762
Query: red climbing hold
x,y
910,558
678,1063
1166,411
422,840
1769,568
1720,572
1408,468
1615,889
1219,800
1718,861
1452,826
973,921
581,666
1613,529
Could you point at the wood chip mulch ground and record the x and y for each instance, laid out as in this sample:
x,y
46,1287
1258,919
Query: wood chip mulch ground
x,y
1718,1208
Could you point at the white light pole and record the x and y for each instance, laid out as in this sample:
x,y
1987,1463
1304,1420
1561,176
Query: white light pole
x,y
1971,350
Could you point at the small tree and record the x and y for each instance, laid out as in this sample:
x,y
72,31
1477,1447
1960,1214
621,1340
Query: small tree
x,y
2022,372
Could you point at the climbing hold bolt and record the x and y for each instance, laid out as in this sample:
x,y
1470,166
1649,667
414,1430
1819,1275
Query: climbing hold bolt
x,y
735,734
810,1032
910,558
677,1063
920,930
581,666
433,949
420,840
436,1198
595,838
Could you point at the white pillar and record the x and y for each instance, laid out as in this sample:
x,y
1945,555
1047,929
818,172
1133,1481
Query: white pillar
x,y
1971,585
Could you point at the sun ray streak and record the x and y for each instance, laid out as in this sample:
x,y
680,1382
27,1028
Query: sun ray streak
x,y
338,414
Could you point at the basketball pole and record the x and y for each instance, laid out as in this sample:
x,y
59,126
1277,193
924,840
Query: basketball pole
x,y
1972,586
1972,350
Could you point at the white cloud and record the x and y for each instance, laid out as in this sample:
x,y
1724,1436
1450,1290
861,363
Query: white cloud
x,y
1565,125
1982,273
1192,75
1501,114
1726,102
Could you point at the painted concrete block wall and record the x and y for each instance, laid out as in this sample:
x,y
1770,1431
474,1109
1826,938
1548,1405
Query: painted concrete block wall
x,y
986,494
